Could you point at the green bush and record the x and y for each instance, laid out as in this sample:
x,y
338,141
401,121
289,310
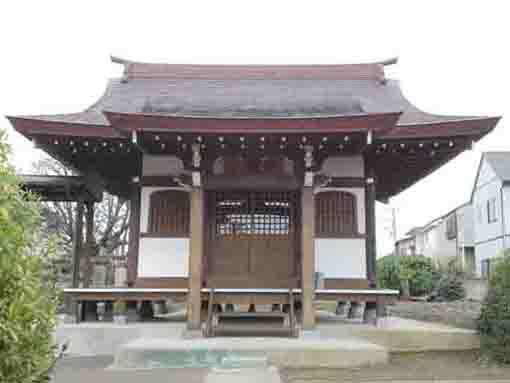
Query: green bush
x,y
451,287
494,321
416,271
388,275
27,300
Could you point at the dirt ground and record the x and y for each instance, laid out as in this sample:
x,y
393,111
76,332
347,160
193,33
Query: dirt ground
x,y
459,314
421,367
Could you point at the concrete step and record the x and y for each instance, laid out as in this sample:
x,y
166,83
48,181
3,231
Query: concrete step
x,y
305,352
255,315
235,330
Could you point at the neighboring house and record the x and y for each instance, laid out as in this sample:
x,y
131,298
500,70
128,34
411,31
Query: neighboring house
x,y
406,246
491,202
443,239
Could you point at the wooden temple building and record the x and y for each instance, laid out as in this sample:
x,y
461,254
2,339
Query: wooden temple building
x,y
253,179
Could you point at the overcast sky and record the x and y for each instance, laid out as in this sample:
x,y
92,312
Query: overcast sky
x,y
453,60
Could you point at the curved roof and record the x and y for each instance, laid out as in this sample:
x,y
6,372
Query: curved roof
x,y
256,91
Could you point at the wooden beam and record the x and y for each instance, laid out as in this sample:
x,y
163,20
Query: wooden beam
x,y
196,257
77,243
308,256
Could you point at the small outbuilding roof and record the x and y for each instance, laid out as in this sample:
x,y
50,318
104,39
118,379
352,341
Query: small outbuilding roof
x,y
60,188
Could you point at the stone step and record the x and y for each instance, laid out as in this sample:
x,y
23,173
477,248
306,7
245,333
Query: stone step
x,y
252,331
250,315
305,352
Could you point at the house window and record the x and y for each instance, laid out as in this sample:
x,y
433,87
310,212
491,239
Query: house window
x,y
169,213
451,227
486,268
491,210
335,214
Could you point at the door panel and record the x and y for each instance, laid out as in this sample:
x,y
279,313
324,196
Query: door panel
x,y
253,238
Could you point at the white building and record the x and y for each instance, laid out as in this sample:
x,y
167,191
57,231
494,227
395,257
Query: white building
x,y
444,239
491,202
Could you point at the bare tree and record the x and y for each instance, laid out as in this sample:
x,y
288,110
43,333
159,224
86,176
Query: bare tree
x,y
111,216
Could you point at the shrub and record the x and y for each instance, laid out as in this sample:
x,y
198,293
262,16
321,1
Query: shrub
x,y
420,273
451,287
27,300
417,272
388,272
494,321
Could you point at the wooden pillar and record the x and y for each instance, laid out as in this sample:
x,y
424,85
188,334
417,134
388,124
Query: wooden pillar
x,y
77,243
134,233
195,257
89,243
370,242
308,257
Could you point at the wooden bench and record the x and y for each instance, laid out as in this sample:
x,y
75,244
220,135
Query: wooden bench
x,y
73,296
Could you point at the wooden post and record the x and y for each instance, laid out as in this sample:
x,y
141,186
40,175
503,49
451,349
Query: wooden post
x,y
134,234
308,257
370,242
196,257
77,243
89,243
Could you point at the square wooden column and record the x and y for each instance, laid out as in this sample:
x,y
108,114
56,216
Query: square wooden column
x,y
134,231
370,242
77,243
195,257
308,257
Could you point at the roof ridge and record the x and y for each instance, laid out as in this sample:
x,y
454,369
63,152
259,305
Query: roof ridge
x,y
354,71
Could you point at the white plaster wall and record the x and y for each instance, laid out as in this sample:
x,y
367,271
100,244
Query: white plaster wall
x,y
160,257
360,204
161,165
145,203
351,166
163,257
340,257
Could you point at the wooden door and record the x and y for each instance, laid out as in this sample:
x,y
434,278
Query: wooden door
x,y
253,239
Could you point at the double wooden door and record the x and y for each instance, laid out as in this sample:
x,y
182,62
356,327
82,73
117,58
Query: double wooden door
x,y
253,239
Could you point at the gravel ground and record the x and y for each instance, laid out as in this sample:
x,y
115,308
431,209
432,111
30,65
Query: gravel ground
x,y
459,314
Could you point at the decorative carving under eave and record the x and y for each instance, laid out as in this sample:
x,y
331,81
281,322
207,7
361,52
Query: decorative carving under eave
x,y
308,156
196,179
197,158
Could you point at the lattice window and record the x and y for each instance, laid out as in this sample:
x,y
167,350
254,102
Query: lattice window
x,y
255,213
169,213
335,214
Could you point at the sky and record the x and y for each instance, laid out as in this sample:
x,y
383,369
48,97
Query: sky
x,y
453,59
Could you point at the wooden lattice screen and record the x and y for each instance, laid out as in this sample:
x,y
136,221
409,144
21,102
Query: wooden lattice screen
x,y
335,214
255,213
169,213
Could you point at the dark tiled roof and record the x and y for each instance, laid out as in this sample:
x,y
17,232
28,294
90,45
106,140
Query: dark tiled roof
x,y
238,91
500,163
